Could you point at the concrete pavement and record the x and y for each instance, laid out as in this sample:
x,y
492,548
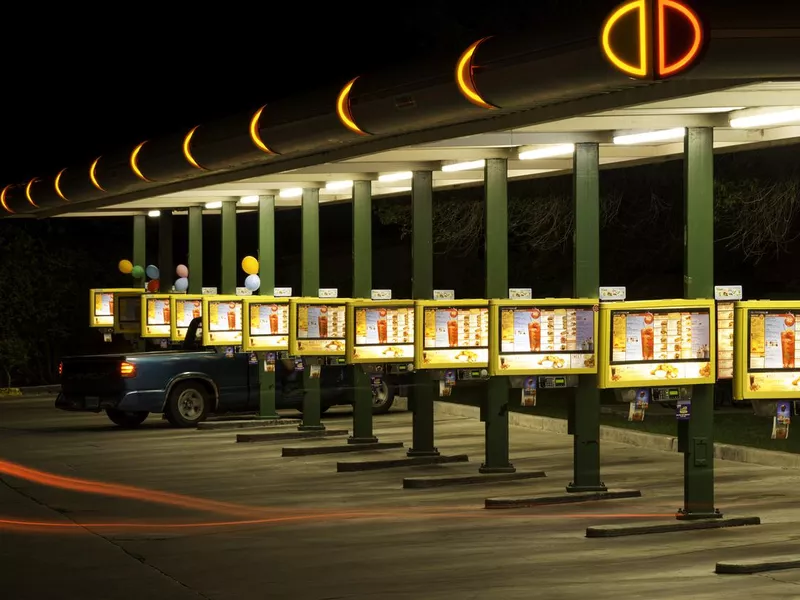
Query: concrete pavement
x,y
324,535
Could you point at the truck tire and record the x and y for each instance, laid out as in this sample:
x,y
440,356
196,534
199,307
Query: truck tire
x,y
188,404
383,398
126,419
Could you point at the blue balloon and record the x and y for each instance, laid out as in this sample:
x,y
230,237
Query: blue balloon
x,y
152,271
182,284
252,283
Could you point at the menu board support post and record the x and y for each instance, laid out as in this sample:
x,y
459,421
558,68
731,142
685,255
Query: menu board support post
x,y
165,255
584,416
362,286
495,412
696,437
309,219
422,392
139,245
195,249
266,271
228,250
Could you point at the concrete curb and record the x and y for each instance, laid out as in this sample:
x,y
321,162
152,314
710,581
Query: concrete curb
x,y
314,450
29,392
409,461
437,481
276,436
242,424
652,441
606,531
528,502
748,567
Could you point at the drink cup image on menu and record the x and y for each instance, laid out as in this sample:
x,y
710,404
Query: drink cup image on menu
x,y
273,319
535,331
381,326
452,329
232,315
322,321
788,343
648,338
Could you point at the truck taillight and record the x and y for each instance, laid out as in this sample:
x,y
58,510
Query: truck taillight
x,y
60,369
127,369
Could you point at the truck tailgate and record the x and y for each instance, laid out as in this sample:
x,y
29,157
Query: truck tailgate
x,y
92,375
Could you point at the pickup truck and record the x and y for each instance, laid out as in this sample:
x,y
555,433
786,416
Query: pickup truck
x,y
188,384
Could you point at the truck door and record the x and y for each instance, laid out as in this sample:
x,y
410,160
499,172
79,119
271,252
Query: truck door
x,y
233,381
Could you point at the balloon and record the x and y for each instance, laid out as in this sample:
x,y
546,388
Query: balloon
x,y
182,284
153,285
137,272
252,283
182,271
125,266
250,265
152,271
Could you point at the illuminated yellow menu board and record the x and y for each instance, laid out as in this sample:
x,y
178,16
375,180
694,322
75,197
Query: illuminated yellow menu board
x,y
156,316
184,310
101,305
657,342
222,320
767,350
317,327
452,334
128,312
538,337
725,340
380,331
266,326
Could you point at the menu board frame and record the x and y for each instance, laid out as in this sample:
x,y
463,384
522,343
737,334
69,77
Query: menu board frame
x,y
105,321
351,345
178,334
295,344
207,333
742,373
419,334
253,343
605,379
161,334
495,335
133,327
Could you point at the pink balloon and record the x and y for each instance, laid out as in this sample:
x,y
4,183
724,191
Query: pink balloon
x,y
182,271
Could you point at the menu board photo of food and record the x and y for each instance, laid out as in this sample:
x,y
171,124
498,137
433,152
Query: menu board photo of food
x,y
455,335
157,317
186,310
725,340
268,326
543,339
383,333
224,321
662,346
321,328
102,309
773,351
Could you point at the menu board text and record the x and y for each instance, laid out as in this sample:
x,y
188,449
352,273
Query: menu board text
x,y
225,321
269,325
321,327
456,335
384,333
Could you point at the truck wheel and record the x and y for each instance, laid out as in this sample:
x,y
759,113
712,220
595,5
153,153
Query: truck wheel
x,y
126,419
188,404
383,398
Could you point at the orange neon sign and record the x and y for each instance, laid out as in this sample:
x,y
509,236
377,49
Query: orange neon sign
x,y
28,192
93,174
187,149
653,39
135,162
344,110
465,76
57,185
255,133
4,200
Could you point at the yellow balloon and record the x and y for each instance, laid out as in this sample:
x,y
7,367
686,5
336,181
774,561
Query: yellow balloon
x,y
250,265
125,266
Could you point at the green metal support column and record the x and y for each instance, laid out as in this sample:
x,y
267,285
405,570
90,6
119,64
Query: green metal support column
x,y
266,271
494,411
139,245
309,210
584,422
362,287
228,253
696,436
165,258
195,249
421,391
